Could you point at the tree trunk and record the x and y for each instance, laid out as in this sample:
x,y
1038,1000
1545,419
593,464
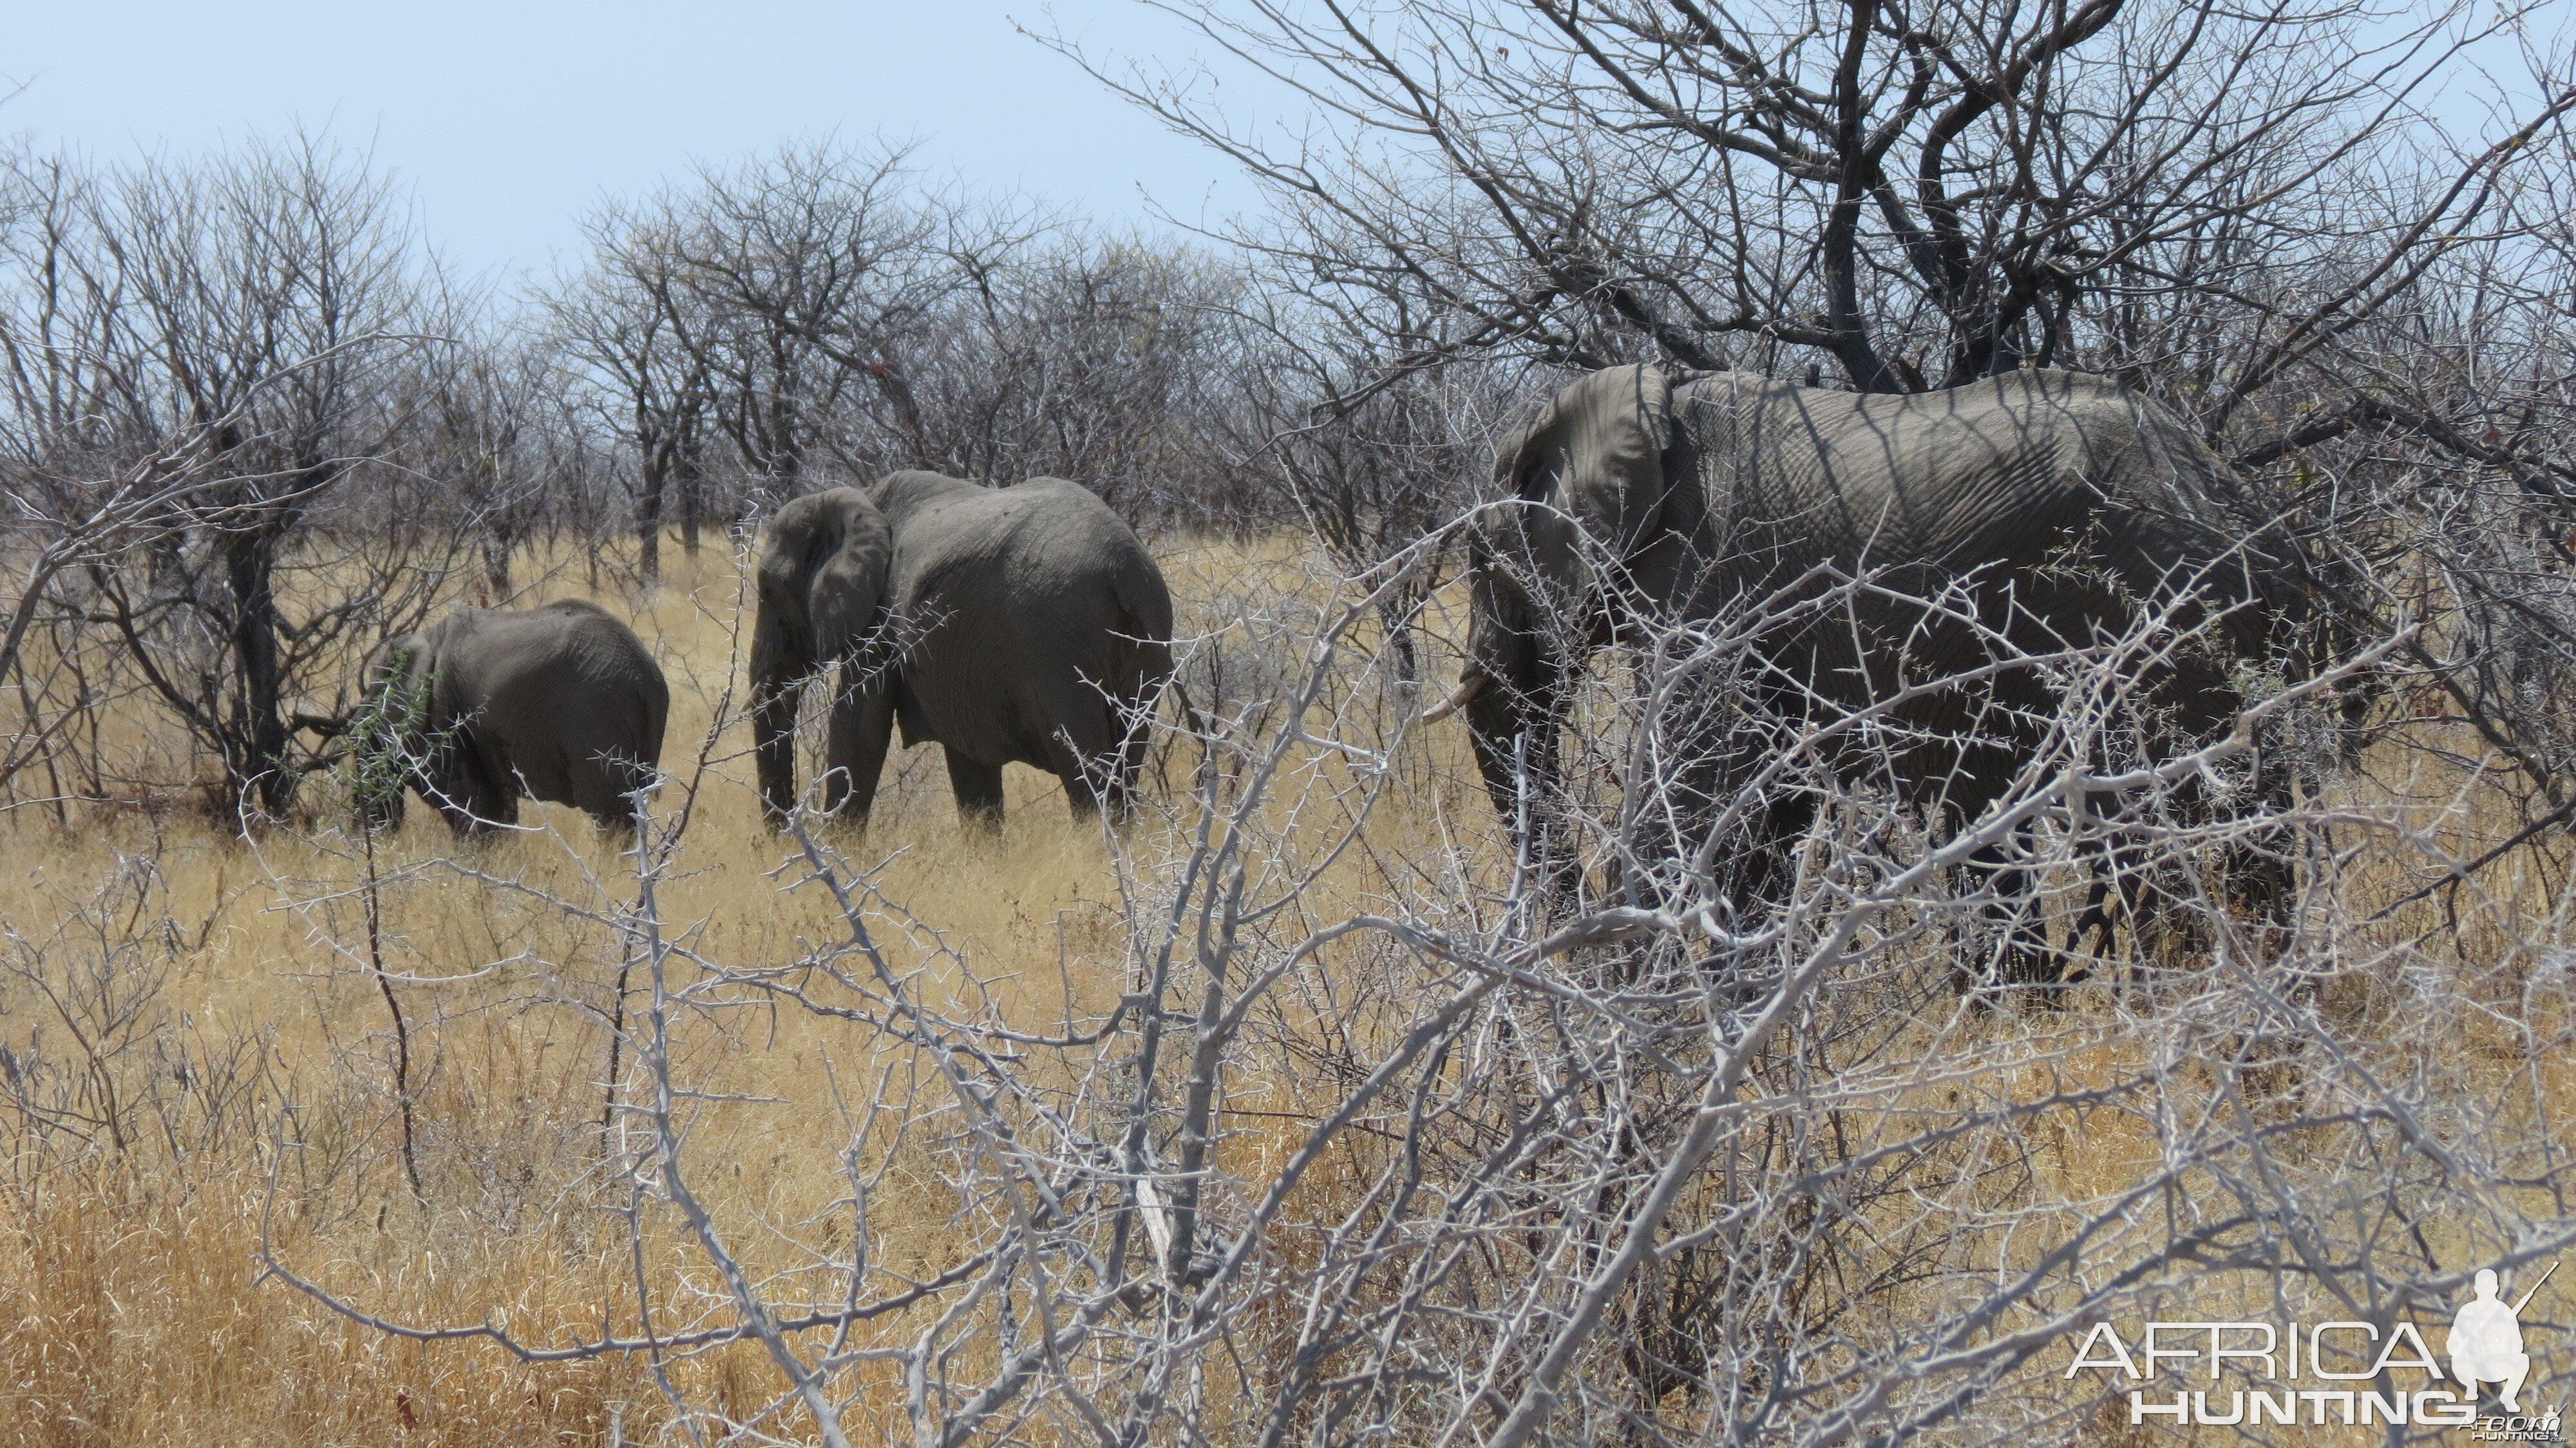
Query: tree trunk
x,y
648,520
692,481
500,537
258,748
496,563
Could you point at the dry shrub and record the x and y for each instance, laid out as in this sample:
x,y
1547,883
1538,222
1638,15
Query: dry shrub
x,y
1296,1108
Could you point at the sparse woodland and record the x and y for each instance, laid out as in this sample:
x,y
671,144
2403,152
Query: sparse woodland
x,y
1318,1104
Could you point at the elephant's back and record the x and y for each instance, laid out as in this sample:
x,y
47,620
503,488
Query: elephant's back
x,y
2001,481
1046,537
2004,469
574,663
1025,602
1066,533
564,699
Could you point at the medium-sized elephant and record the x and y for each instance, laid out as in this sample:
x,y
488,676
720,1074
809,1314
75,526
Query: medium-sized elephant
x,y
1019,625
561,703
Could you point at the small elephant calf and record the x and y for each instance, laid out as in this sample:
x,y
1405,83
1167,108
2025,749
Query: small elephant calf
x,y
560,703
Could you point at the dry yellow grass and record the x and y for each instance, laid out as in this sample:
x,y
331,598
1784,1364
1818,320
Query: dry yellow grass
x,y
136,1315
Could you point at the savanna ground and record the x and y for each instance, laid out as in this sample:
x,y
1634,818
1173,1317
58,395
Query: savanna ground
x,y
133,1219
201,1059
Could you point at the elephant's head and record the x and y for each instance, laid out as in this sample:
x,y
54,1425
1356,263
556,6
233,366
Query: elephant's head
x,y
387,730
822,582
1586,487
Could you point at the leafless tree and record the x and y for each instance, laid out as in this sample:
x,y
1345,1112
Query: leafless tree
x,y
485,418
809,267
1923,194
614,323
1371,461
827,304
223,334
1110,361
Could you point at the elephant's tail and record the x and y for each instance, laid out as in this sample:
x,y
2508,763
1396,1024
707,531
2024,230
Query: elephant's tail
x,y
1191,718
1143,644
1139,670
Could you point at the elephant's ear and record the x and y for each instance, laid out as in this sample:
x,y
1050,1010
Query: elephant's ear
x,y
848,589
1531,561
1596,452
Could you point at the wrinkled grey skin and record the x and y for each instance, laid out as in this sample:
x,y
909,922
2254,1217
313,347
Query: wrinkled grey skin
x,y
1020,625
562,703
1727,486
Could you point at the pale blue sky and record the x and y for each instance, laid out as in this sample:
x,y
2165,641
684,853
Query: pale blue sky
x,y
509,119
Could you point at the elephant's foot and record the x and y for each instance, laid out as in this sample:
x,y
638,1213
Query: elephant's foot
x,y
1091,796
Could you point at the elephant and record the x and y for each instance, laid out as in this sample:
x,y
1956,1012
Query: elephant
x,y
1639,499
561,703
1019,625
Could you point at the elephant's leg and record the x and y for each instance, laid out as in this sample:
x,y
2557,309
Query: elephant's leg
x,y
475,808
2258,886
449,782
1086,792
1763,875
979,791
1555,869
496,801
2094,922
2108,892
1089,778
2015,949
2168,898
604,788
488,777
854,748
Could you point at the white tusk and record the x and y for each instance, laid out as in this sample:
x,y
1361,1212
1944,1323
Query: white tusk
x,y
1468,688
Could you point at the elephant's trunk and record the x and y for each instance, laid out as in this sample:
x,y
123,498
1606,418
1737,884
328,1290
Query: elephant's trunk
x,y
778,669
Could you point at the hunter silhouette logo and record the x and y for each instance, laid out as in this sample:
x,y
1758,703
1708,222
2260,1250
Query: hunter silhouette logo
x,y
2486,1340
2341,1373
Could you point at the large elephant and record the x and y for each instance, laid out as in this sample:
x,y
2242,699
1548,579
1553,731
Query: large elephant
x,y
1637,499
561,703
1019,625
